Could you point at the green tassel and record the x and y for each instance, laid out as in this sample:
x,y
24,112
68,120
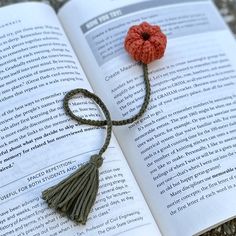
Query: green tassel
x,y
75,195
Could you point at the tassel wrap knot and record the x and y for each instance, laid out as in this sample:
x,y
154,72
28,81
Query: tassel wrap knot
x,y
96,160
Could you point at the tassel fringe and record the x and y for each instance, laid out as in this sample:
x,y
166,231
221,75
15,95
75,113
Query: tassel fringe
x,y
75,195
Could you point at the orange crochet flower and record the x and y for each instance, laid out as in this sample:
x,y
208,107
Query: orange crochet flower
x,y
145,42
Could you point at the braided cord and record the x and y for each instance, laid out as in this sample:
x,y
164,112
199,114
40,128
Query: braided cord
x,y
100,103
104,108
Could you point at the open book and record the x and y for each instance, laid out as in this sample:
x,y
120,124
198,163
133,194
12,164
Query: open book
x,y
172,173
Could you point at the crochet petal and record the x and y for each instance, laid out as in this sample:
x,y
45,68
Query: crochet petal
x,y
148,53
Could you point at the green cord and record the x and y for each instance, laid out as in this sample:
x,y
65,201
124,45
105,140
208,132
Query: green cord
x,y
114,122
75,195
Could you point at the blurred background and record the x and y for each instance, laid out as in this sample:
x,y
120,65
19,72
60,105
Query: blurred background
x,y
227,8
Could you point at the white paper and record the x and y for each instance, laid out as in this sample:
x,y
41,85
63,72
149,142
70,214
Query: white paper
x,y
40,145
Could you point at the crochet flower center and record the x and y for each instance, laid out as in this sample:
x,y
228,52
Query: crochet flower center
x,y
145,36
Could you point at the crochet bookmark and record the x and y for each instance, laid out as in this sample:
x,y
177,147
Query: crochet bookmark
x,y
75,195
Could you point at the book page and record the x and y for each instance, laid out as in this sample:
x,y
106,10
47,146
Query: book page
x,y
182,150
40,145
